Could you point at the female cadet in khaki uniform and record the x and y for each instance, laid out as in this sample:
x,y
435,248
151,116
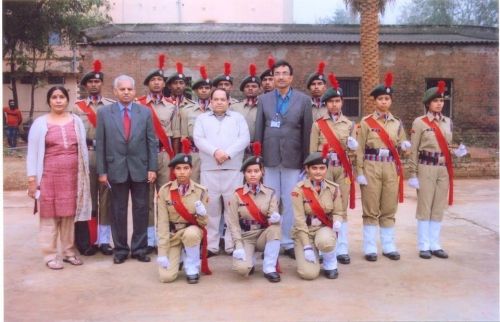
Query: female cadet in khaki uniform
x,y
337,130
254,221
317,208
182,218
379,172
431,170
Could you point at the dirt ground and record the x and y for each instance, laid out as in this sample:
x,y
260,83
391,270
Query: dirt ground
x,y
464,287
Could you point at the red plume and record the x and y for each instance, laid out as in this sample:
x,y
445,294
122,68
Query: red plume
x,y
256,148
270,62
441,87
324,151
321,68
227,68
252,69
203,72
97,66
333,80
388,80
161,61
186,146
179,68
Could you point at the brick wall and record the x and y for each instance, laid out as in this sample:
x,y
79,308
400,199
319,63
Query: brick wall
x,y
473,69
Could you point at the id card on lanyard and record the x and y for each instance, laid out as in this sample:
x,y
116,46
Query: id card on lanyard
x,y
280,102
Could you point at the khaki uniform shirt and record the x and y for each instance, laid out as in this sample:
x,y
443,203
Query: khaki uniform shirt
x,y
188,118
342,128
167,212
184,103
318,111
249,113
369,138
266,201
423,138
89,129
232,101
169,119
329,199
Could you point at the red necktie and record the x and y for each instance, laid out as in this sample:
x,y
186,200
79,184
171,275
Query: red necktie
x,y
126,123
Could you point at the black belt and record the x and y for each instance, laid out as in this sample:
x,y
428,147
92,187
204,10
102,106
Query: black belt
x,y
309,219
176,226
430,158
375,151
247,225
90,144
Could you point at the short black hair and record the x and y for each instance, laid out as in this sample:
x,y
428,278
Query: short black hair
x,y
282,62
55,88
219,89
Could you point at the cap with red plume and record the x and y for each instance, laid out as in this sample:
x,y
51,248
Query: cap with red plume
x,y
318,75
179,74
318,157
388,80
252,78
333,81
441,88
269,70
256,148
252,69
204,80
180,68
385,88
321,68
161,61
434,92
334,91
203,72
184,157
256,158
227,68
96,73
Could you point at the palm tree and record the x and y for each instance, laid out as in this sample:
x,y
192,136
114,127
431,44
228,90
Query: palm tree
x,y
369,30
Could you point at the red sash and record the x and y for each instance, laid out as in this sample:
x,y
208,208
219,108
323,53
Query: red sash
x,y
316,207
256,214
91,115
372,123
447,155
160,132
181,209
337,147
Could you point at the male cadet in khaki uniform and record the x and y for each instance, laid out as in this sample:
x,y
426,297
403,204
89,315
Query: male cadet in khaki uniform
x,y
167,127
225,81
337,130
378,167
189,114
250,86
431,170
316,84
317,208
266,77
87,110
182,217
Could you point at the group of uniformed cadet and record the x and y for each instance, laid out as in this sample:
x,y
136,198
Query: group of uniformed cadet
x,y
177,226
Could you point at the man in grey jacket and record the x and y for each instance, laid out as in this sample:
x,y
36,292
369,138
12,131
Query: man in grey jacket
x,y
126,157
283,126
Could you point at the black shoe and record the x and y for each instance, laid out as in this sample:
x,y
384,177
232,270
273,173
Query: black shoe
x,y
252,271
439,253
372,257
425,254
181,264
290,252
331,273
117,259
91,251
392,255
211,254
273,277
142,258
193,279
321,259
151,250
106,249
344,259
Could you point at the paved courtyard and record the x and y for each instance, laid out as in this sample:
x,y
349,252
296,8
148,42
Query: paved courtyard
x,y
464,287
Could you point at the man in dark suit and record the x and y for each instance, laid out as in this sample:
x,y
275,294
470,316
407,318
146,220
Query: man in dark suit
x,y
283,126
127,161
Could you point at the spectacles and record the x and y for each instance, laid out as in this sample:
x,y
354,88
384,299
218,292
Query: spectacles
x,y
282,74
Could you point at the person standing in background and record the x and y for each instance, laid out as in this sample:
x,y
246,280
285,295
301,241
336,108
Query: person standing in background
x,y
13,118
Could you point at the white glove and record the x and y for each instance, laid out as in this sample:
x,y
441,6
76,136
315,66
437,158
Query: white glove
x,y
239,253
405,145
352,143
163,261
200,208
274,218
461,151
309,255
336,225
362,180
413,182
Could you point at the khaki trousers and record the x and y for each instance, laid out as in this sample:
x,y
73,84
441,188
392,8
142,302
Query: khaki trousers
x,y
101,199
380,197
432,197
336,174
255,240
50,229
195,171
162,177
323,239
188,237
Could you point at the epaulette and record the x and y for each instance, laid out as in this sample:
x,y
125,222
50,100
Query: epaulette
x,y
331,183
111,101
197,185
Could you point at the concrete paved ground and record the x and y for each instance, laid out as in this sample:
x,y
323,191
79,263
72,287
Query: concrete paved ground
x,y
464,287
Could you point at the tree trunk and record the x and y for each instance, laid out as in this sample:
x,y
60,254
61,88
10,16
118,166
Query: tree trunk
x,y
33,86
369,26
13,83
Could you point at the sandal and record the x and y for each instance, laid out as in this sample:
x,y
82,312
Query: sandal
x,y
73,260
54,264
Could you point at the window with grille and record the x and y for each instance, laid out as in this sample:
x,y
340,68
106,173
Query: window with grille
x,y
350,87
55,80
432,82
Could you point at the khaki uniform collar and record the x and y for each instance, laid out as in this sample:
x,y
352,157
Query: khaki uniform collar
x,y
433,117
246,189
378,115
175,186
